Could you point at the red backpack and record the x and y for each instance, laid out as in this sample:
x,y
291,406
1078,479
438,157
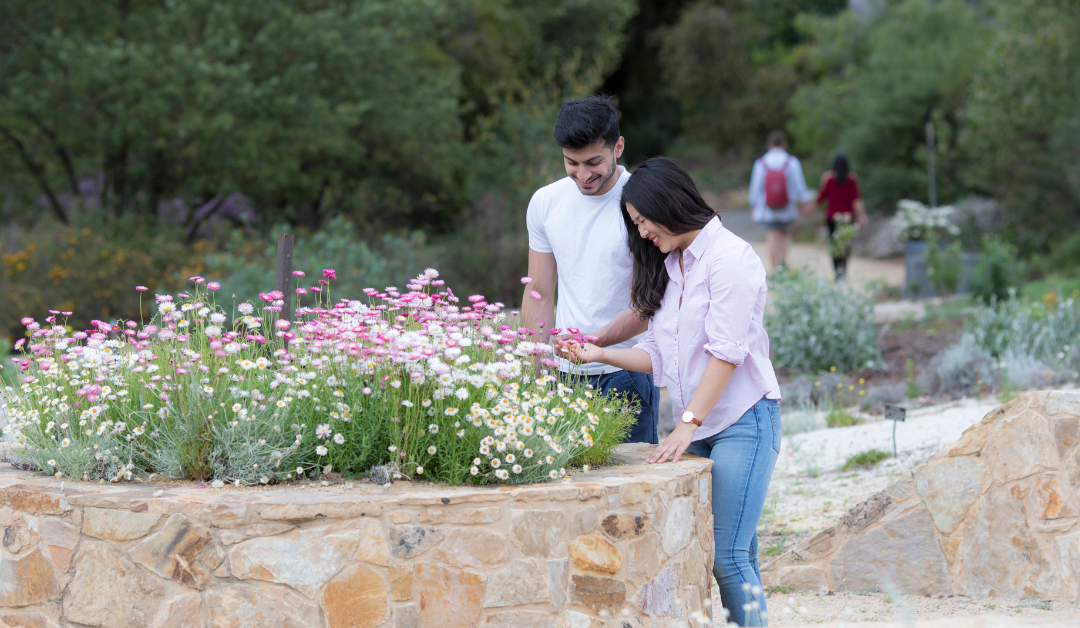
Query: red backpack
x,y
776,194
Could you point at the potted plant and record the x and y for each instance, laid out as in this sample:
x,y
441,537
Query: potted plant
x,y
915,224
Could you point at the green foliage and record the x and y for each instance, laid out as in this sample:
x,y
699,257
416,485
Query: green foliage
x,y
1045,330
91,264
868,86
814,324
996,273
944,265
839,417
865,459
1023,125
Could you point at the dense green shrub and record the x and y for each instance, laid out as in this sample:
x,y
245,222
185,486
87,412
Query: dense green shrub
x,y
963,369
815,324
996,273
1046,330
944,265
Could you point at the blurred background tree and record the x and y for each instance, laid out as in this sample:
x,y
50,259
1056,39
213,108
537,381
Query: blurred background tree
x,y
392,135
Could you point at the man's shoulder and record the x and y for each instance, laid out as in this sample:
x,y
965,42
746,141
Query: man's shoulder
x,y
555,189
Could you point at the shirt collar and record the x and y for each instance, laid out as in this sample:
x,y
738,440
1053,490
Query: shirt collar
x,y
697,247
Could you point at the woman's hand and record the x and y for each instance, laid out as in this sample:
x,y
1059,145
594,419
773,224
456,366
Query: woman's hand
x,y
578,352
675,444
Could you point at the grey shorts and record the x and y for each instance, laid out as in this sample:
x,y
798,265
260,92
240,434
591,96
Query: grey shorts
x,y
783,226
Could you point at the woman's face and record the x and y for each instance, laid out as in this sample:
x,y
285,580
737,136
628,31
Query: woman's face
x,y
659,236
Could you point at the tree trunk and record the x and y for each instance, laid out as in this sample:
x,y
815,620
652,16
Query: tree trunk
x,y
38,174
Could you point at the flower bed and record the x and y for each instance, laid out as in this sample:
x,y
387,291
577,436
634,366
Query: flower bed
x,y
407,379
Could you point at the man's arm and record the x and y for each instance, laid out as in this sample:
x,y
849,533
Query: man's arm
x,y
544,273
622,327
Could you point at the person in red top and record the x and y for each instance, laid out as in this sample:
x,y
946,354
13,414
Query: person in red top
x,y
840,187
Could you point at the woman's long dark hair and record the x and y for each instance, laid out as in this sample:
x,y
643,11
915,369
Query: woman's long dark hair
x,y
840,167
665,194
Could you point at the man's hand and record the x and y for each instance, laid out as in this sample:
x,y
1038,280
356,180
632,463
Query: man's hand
x,y
675,444
578,352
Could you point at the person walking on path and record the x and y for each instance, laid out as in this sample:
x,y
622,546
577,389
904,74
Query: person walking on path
x,y
777,189
840,188
577,242
703,291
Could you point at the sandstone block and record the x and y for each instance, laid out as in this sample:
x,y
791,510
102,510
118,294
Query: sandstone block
x,y
10,619
621,526
999,553
110,591
1067,549
902,552
180,551
407,616
596,593
800,577
694,566
318,507
972,440
463,516
636,493
1020,446
356,598
521,582
449,598
679,525
519,619
1062,402
558,575
304,559
949,486
20,535
584,521
535,532
574,619
33,500
26,580
1066,433
181,611
400,517
659,597
465,547
228,515
645,556
374,545
409,541
1048,500
401,582
818,546
593,552
117,525
252,604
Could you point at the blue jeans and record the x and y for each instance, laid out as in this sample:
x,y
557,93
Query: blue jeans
x,y
640,387
743,458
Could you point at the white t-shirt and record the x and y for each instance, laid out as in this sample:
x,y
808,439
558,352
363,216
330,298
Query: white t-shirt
x,y
588,237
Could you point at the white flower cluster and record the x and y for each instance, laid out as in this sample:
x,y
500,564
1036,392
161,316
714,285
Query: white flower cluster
x,y
916,221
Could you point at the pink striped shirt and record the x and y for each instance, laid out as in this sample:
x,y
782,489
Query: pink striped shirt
x,y
723,304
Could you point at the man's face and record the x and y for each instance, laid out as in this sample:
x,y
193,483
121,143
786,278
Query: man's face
x,y
594,167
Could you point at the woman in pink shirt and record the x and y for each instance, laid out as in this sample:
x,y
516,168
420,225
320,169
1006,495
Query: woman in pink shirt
x,y
703,290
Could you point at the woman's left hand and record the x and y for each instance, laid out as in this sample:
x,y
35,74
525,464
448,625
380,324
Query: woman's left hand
x,y
675,444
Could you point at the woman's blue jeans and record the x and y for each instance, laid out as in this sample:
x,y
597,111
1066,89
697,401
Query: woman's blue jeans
x,y
743,458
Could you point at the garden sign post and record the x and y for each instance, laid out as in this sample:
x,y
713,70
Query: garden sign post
x,y
895,414
284,272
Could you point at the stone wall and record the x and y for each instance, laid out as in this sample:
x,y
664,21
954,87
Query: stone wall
x,y
625,545
995,513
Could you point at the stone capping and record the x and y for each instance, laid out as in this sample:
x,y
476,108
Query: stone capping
x,y
994,513
628,540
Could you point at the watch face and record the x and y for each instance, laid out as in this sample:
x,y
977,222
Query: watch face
x,y
687,417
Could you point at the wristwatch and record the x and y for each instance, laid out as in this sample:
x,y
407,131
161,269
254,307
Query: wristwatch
x,y
688,417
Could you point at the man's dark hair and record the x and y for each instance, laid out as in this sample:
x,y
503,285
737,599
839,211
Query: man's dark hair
x,y
586,121
777,139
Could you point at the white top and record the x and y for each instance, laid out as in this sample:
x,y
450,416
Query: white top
x,y
588,237
797,191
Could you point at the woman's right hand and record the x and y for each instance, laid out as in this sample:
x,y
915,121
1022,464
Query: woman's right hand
x,y
579,352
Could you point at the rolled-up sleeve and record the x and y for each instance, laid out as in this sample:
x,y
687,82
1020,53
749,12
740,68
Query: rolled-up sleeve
x,y
734,287
648,345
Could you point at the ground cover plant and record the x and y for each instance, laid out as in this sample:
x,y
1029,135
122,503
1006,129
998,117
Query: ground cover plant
x,y
409,379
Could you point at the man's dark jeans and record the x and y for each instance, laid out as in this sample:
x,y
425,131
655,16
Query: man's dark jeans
x,y
640,387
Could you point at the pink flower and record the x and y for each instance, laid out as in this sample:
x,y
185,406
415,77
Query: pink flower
x,y
329,273
323,282
141,288
298,273
301,291
282,324
476,298
534,294
366,390
213,285
316,289
27,321
196,279
526,280
20,342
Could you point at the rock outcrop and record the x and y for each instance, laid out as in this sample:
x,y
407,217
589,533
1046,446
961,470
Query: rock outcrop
x,y
995,513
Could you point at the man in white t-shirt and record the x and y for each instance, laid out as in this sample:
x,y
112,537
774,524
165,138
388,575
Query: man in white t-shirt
x,y
777,212
578,242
